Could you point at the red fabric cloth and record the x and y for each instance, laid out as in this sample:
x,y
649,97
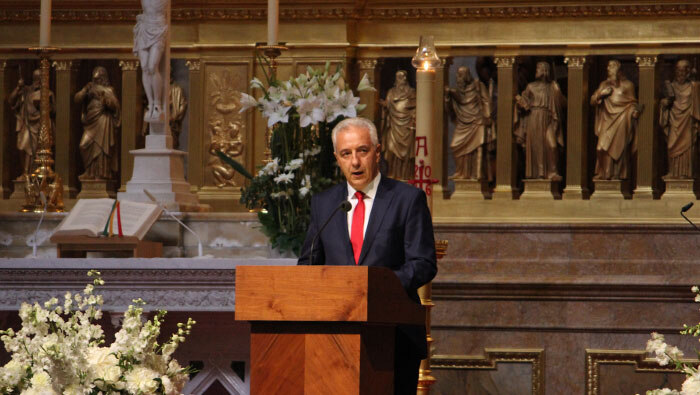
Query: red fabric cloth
x,y
358,226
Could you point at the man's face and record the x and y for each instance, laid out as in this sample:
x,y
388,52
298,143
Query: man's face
x,y
357,157
613,69
682,71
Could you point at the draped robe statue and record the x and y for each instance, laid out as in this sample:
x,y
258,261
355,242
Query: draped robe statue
x,y
25,102
398,128
150,35
470,106
679,118
615,123
538,125
100,117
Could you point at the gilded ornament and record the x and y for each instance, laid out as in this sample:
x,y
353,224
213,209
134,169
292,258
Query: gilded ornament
x,y
646,61
129,65
225,127
575,62
193,64
504,61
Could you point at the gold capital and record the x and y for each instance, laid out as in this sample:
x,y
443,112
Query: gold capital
x,y
65,65
194,64
367,64
504,61
129,65
575,62
646,60
3,64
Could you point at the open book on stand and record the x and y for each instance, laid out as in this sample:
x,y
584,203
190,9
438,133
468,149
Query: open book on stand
x,y
90,217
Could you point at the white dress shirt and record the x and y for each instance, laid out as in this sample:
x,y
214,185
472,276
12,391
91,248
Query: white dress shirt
x,y
370,192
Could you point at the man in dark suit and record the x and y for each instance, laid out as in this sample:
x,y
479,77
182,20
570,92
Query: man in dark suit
x,y
389,225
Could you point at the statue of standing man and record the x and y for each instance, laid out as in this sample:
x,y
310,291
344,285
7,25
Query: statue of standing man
x,y
615,123
150,35
399,128
679,119
469,105
25,101
538,125
101,117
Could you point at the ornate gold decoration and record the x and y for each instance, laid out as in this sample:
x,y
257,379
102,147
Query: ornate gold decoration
x,y
596,358
225,126
307,12
129,65
646,60
425,377
504,61
272,52
44,188
367,64
193,64
575,62
65,65
492,356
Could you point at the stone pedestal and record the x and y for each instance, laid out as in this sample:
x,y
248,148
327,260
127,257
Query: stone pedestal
x,y
94,189
679,189
18,192
162,172
469,189
540,189
607,189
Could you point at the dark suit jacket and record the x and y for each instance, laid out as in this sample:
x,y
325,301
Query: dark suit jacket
x,y
399,236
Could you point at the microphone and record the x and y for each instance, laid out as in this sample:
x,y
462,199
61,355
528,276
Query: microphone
x,y
345,206
199,241
684,209
45,202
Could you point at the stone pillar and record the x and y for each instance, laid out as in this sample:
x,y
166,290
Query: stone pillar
x,y
132,103
437,148
505,152
369,97
5,133
196,111
67,124
577,129
646,150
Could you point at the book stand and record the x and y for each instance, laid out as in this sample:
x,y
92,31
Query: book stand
x,y
79,246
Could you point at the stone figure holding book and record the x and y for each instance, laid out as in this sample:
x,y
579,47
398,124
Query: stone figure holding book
x,y
101,116
399,128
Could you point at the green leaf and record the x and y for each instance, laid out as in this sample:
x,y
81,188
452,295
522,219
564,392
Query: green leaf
x,y
236,166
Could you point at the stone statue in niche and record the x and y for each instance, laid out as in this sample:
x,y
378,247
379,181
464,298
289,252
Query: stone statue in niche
x,y
616,113
679,117
150,35
25,102
178,107
101,116
538,124
470,105
399,128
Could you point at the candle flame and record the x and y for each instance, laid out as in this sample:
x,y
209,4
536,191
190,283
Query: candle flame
x,y
426,65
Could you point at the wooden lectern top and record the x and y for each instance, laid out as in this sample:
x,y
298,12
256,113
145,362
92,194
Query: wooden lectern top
x,y
324,293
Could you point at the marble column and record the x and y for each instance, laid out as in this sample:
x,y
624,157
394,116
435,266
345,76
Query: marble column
x,y
132,103
577,129
505,152
369,97
646,150
67,124
196,110
5,132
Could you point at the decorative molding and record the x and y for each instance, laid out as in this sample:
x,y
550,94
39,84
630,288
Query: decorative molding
x,y
596,358
369,12
491,358
367,64
129,65
646,60
193,64
504,61
66,65
575,62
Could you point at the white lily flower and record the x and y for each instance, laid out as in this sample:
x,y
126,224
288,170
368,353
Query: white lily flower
x,y
294,164
284,178
257,84
310,111
365,84
275,112
247,101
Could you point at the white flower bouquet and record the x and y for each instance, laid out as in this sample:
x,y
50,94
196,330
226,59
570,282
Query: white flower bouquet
x,y
301,113
670,355
60,350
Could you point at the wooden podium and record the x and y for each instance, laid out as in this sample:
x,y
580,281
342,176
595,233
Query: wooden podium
x,y
322,329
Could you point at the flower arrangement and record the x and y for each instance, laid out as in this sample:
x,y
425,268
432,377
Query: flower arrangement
x,y
301,114
666,354
60,350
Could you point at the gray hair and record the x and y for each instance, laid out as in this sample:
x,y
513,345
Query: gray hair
x,y
357,122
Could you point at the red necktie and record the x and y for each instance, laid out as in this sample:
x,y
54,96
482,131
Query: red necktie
x,y
358,225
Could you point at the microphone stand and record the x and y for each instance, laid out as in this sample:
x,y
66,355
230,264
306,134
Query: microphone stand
x,y
199,241
683,210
